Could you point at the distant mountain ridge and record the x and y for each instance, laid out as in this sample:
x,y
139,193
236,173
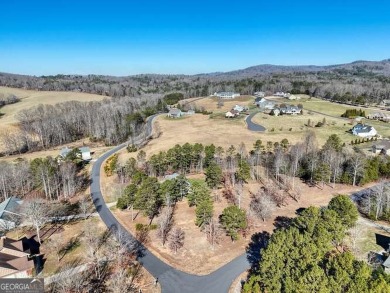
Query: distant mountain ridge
x,y
377,67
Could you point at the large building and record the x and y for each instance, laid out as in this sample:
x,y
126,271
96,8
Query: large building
x,y
226,95
15,259
363,130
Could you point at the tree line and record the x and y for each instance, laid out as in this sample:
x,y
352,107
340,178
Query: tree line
x,y
355,85
111,121
332,163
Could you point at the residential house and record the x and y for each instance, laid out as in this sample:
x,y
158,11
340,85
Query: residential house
x,y
381,116
275,112
385,103
10,213
386,265
290,110
363,130
259,94
171,176
85,153
64,152
282,94
226,95
175,113
239,108
264,104
381,147
232,113
293,97
15,259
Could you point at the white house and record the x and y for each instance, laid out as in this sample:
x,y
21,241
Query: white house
x,y
293,97
282,94
264,104
226,95
259,94
363,130
175,113
85,153
239,108
10,213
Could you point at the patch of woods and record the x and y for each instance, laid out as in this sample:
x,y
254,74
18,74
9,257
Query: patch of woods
x,y
111,121
375,202
7,100
50,178
276,165
308,254
352,113
108,263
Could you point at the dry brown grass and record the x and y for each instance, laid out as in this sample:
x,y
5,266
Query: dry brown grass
x,y
197,256
210,103
30,98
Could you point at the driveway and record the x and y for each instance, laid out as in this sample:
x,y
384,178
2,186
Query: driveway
x,y
171,279
253,126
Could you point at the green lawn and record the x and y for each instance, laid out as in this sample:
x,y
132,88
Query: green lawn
x,y
336,110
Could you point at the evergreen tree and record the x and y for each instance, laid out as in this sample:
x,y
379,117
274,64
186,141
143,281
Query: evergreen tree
x,y
213,175
232,220
148,197
244,171
345,209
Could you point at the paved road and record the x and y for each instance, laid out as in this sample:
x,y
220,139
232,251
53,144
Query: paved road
x,y
171,279
253,126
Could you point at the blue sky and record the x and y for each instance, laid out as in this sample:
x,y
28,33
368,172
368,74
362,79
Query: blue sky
x,y
130,37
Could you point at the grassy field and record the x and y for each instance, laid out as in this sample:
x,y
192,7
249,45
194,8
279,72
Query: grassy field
x,y
294,127
30,98
334,109
211,103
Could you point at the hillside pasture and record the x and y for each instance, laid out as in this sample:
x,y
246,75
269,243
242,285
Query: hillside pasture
x,y
30,98
211,103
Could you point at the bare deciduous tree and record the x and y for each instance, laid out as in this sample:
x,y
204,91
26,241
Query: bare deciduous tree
x,y
176,239
36,212
262,205
213,232
164,224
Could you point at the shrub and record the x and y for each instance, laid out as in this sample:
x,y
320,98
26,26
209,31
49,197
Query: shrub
x,y
111,165
131,148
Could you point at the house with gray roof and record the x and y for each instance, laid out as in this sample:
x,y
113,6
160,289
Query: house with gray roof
x,y
85,153
262,103
363,130
226,95
175,113
10,214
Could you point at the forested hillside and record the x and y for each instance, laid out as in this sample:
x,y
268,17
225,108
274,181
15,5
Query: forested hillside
x,y
357,82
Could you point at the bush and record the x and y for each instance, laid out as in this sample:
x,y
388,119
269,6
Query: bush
x,y
111,165
131,148
121,203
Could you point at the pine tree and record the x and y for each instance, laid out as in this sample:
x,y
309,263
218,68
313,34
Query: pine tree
x,y
232,220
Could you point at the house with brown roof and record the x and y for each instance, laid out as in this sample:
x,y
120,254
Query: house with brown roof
x,y
15,259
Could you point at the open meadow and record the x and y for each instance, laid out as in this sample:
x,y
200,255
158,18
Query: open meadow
x,y
336,110
30,98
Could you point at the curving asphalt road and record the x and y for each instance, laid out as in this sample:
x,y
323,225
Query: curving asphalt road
x,y
253,126
171,279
